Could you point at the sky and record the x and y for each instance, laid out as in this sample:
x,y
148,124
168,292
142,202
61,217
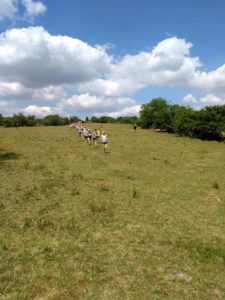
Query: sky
x,y
108,57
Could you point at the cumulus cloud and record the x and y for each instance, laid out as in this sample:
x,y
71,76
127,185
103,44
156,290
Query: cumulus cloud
x,y
33,9
190,99
9,9
213,81
15,90
207,100
40,111
34,58
169,64
35,65
100,87
91,103
127,111
210,99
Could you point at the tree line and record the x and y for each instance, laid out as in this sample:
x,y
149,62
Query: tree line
x,y
18,120
207,123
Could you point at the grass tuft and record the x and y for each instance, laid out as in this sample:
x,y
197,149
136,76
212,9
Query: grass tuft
x,y
2,206
135,192
28,223
97,207
104,187
216,185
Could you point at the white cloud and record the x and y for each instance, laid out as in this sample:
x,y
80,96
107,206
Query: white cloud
x,y
127,111
208,100
190,99
33,9
92,103
211,99
40,111
100,87
61,60
169,64
8,9
35,65
34,58
17,91
213,81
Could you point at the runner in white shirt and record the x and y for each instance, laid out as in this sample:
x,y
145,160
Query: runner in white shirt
x,y
104,140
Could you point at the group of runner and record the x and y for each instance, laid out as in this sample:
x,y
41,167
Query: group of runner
x,y
96,137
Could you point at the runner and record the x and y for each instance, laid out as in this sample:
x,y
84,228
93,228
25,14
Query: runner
x,y
89,136
98,135
85,133
94,137
104,140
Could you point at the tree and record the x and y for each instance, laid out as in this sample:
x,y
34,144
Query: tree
x,y
7,122
53,120
31,121
94,119
155,114
74,119
127,120
19,119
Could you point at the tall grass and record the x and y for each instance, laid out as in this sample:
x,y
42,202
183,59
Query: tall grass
x,y
144,221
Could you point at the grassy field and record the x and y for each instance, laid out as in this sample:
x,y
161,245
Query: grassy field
x,y
144,221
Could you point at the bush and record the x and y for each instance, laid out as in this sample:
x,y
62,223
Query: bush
x,y
7,122
183,120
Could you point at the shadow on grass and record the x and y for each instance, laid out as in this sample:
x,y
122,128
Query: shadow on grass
x,y
8,155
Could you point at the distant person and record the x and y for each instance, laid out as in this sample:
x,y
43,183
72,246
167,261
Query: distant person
x,y
135,126
80,130
85,133
98,134
94,137
89,136
104,141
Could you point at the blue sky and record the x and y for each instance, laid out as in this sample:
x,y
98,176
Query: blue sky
x,y
94,57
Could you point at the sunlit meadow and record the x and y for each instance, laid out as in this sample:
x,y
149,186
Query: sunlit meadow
x,y
144,221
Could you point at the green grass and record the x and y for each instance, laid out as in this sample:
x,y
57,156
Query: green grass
x,y
144,221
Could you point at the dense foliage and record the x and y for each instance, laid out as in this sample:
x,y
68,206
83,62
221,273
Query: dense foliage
x,y
121,120
206,124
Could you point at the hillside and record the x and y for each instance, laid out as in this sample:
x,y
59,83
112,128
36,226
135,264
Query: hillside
x,y
144,221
